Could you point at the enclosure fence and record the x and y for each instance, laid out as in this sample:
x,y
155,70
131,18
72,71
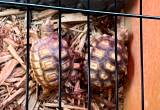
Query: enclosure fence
x,y
87,11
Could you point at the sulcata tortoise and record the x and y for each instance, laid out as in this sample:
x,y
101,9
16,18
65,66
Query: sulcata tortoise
x,y
102,59
44,57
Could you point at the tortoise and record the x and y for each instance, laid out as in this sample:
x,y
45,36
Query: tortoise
x,y
102,59
44,57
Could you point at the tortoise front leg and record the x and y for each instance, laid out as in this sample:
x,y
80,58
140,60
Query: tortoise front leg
x,y
45,93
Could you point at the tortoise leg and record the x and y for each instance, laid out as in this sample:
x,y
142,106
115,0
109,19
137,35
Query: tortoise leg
x,y
44,94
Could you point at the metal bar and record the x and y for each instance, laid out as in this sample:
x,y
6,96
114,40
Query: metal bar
x,y
28,58
116,63
60,60
141,58
88,37
79,10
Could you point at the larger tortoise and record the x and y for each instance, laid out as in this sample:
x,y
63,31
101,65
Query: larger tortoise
x,y
44,57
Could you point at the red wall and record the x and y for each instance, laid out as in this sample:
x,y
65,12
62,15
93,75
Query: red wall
x,y
151,41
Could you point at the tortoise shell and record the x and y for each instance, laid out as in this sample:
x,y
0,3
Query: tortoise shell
x,y
44,57
102,61
45,60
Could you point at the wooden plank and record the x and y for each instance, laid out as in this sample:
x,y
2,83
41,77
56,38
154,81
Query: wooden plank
x,y
151,42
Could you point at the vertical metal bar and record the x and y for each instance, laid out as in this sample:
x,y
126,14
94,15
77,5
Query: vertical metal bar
x,y
28,63
116,63
60,62
141,58
88,37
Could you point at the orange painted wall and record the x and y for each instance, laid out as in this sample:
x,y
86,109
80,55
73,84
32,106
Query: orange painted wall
x,y
151,41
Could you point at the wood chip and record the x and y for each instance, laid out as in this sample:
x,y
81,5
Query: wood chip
x,y
18,72
10,42
9,12
37,106
5,58
32,101
16,56
31,90
7,70
17,31
12,80
74,17
21,82
12,97
44,14
64,106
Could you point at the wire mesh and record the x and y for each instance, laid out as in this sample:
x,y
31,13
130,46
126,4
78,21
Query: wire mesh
x,y
88,11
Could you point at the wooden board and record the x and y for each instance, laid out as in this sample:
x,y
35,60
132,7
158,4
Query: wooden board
x,y
151,41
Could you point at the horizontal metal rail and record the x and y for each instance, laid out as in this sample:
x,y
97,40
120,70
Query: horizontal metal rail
x,y
79,10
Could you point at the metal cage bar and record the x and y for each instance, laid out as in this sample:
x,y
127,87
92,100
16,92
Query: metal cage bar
x,y
88,37
88,11
141,57
116,62
80,10
60,60
28,58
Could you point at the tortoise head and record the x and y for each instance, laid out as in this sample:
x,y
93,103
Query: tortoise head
x,y
47,28
123,35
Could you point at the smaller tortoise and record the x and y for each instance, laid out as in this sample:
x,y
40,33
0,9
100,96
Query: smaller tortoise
x,y
44,57
102,59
